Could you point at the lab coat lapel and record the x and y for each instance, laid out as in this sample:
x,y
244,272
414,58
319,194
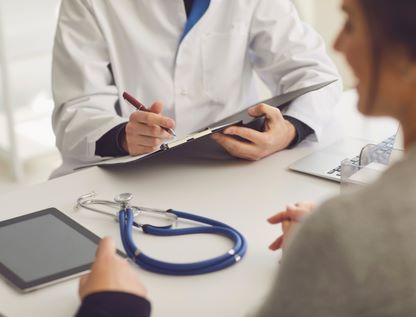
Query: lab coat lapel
x,y
201,24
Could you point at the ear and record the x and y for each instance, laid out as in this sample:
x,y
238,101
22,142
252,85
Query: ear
x,y
411,73
407,67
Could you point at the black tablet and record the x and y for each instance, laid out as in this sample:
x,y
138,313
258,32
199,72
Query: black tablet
x,y
43,248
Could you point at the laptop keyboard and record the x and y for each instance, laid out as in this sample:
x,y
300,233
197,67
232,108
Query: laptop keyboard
x,y
382,151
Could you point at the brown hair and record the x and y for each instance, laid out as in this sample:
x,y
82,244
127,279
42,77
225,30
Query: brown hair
x,y
392,24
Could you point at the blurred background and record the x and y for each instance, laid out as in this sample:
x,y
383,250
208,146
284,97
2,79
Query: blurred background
x,y
27,27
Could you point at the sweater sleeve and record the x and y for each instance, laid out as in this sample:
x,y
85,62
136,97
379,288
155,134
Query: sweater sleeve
x,y
114,304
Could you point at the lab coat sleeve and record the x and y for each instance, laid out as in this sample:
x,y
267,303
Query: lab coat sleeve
x,y
287,55
83,85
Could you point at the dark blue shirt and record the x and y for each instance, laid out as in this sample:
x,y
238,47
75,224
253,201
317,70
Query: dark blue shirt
x,y
114,304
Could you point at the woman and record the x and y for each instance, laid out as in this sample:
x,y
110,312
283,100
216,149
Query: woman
x,y
355,255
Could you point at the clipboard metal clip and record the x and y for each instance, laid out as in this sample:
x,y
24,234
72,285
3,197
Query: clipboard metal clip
x,y
197,135
188,138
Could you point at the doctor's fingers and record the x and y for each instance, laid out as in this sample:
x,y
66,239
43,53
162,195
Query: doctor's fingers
x,y
151,118
272,114
147,141
246,133
135,150
139,149
135,129
156,107
244,150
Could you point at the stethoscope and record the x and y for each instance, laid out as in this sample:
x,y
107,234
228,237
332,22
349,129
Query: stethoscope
x,y
126,218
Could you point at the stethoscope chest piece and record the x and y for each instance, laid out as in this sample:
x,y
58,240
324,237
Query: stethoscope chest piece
x,y
123,199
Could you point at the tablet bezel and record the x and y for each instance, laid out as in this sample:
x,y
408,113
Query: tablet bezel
x,y
23,286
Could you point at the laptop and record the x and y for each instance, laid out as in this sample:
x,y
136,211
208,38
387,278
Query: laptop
x,y
326,163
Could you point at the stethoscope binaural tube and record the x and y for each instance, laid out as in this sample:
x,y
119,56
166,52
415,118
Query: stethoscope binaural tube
x,y
126,214
126,220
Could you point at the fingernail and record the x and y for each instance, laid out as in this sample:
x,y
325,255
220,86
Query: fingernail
x,y
290,206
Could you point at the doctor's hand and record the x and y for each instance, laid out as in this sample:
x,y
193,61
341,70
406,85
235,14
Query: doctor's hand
x,y
289,218
110,272
144,133
277,135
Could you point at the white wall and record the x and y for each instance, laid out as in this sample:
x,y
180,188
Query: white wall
x,y
28,27
27,31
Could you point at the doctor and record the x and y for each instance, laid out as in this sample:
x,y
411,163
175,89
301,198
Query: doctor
x,y
192,63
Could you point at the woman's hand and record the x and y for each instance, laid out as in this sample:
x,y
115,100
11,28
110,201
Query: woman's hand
x,y
110,272
144,131
278,134
289,218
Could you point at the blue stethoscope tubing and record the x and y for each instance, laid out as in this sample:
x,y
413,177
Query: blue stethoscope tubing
x,y
126,220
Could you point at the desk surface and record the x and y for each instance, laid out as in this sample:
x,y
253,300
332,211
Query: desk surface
x,y
241,194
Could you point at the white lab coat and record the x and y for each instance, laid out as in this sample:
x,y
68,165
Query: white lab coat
x,y
206,77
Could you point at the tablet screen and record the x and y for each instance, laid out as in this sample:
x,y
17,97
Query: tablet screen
x,y
44,246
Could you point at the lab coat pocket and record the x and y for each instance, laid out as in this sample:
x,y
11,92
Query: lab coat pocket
x,y
223,59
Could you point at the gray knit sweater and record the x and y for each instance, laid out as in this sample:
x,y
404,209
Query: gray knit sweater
x,y
356,255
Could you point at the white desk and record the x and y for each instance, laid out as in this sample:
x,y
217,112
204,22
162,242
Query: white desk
x,y
239,193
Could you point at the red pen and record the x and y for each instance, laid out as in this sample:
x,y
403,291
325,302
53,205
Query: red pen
x,y
139,106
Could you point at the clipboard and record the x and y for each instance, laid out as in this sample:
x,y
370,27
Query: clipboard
x,y
241,118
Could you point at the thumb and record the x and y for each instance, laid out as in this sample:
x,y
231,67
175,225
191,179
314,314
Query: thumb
x,y
271,113
157,107
82,282
106,248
